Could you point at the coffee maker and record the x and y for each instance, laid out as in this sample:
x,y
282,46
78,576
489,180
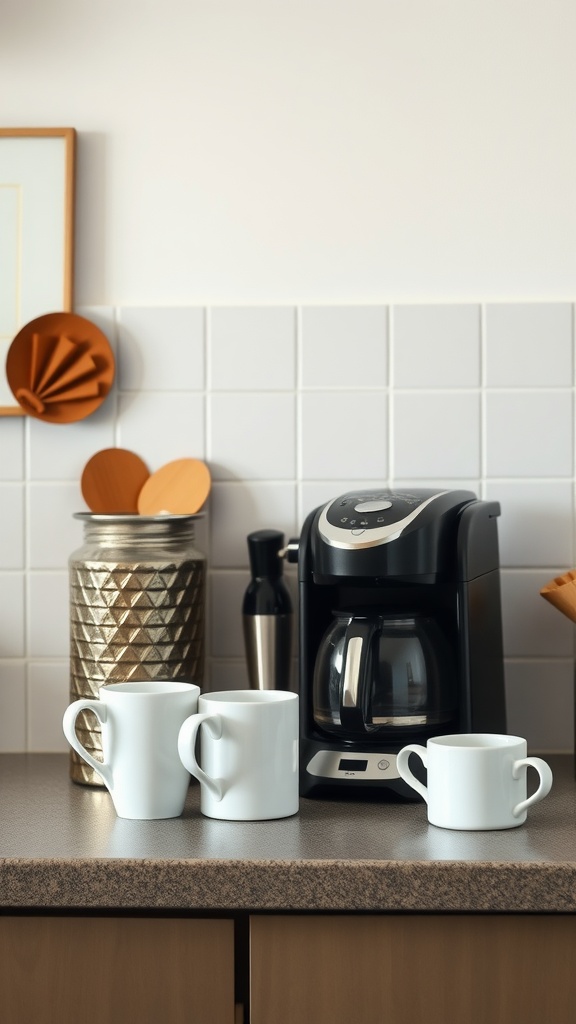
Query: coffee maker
x,y
400,634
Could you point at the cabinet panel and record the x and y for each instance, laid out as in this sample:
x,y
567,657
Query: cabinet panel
x,y
114,970
481,969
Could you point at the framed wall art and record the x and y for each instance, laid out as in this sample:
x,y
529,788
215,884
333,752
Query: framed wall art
x,y
37,175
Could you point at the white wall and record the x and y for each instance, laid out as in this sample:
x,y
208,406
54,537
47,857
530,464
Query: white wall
x,y
311,179
308,150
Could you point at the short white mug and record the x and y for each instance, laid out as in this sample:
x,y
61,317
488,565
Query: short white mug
x,y
476,781
249,753
140,725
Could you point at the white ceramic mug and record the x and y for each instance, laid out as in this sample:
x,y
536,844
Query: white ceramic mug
x,y
476,781
140,725
249,753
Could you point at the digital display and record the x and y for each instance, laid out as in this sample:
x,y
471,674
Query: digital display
x,y
348,764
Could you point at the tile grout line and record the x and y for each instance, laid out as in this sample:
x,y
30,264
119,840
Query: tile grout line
x,y
26,596
390,324
206,384
298,511
483,434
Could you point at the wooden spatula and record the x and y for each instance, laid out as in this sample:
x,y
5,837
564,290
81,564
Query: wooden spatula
x,y
112,480
178,488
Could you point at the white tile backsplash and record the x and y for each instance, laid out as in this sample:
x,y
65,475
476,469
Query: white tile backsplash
x,y
436,434
540,703
290,407
60,451
344,347
12,519
436,346
48,698
13,706
161,349
344,434
229,674
532,627
238,508
252,349
536,527
162,426
529,345
53,533
226,595
529,433
12,618
252,436
12,448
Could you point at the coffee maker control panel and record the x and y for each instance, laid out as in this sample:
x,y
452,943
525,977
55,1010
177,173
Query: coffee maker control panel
x,y
367,519
339,764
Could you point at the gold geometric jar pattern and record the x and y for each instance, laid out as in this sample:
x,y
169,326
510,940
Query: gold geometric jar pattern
x,y
137,611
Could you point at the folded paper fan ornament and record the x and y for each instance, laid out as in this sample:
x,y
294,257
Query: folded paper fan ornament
x,y
60,367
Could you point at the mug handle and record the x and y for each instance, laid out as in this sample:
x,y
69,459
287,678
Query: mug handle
x,y
187,742
69,726
545,773
404,770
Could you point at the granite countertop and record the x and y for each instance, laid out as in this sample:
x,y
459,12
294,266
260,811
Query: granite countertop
x,y
62,846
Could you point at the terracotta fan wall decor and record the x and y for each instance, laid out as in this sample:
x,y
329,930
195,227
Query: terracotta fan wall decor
x,y
60,367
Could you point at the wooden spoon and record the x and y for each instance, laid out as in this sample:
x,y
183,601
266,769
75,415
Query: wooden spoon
x,y
112,480
178,488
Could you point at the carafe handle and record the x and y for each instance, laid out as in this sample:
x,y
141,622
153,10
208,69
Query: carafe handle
x,y
356,675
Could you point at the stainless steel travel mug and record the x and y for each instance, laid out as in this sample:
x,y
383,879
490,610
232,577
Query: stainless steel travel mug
x,y
267,614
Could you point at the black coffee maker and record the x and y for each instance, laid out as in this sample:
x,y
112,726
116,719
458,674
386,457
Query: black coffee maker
x,y
400,632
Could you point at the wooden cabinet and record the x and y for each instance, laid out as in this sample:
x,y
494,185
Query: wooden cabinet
x,y
413,969
303,969
116,970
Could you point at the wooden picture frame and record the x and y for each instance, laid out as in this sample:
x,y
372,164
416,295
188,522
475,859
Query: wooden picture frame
x,y
37,182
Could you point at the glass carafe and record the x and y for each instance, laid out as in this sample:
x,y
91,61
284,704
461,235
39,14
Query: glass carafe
x,y
377,674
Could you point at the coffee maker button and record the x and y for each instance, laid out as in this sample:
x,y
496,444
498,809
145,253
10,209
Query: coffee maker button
x,y
372,506
357,532
383,765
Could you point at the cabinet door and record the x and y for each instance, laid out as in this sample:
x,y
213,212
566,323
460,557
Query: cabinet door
x,y
116,970
403,969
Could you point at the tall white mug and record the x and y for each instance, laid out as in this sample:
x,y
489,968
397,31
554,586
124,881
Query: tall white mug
x,y
476,781
249,753
140,726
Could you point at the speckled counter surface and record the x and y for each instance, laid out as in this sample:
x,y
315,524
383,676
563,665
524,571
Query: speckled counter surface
x,y
62,846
